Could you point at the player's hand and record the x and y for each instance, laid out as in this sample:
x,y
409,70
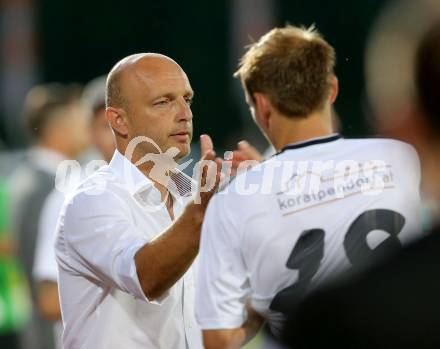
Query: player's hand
x,y
244,152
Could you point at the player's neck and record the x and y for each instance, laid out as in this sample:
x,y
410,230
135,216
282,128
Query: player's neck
x,y
290,131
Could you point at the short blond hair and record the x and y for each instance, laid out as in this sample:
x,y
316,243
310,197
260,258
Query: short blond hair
x,y
292,66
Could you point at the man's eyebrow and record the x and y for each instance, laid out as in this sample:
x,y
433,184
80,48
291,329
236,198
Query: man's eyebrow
x,y
162,95
190,93
172,95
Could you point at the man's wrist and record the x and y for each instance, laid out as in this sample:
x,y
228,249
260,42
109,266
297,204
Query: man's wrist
x,y
196,213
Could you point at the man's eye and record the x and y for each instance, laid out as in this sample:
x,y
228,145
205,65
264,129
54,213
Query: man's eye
x,y
162,102
189,101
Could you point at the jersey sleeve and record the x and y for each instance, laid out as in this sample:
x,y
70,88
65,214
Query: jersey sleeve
x,y
222,284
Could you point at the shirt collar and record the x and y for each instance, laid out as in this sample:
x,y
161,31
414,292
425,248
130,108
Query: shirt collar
x,y
312,141
137,183
135,180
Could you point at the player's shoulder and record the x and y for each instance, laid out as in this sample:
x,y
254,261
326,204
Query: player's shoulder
x,y
249,191
251,176
394,152
382,144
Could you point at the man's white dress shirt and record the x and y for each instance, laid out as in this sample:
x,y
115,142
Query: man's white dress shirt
x,y
111,215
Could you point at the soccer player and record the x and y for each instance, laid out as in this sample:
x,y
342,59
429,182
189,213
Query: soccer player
x,y
396,303
322,205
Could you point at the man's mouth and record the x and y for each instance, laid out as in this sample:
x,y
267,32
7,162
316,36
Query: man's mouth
x,y
181,136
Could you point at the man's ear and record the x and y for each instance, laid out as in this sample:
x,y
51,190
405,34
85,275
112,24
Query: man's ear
x,y
117,119
263,109
334,89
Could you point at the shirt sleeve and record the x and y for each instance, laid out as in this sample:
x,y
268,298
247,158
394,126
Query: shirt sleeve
x,y
100,242
222,284
45,265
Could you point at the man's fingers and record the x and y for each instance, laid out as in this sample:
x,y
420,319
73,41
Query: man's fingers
x,y
206,145
250,152
219,175
209,155
208,159
209,180
245,158
239,155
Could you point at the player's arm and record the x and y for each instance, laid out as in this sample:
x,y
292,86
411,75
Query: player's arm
x,y
235,337
222,288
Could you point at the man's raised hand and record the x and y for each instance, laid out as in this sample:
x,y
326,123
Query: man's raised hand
x,y
209,172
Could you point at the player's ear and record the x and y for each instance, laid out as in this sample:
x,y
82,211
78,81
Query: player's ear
x,y
263,109
117,118
334,89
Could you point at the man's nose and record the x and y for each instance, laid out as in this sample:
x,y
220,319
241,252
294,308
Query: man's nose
x,y
184,111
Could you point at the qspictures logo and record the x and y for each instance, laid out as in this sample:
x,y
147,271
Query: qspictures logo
x,y
297,185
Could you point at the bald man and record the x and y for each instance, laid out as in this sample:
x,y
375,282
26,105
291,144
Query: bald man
x,y
126,241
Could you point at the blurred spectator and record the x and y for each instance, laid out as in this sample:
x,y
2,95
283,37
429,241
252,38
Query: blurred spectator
x,y
14,305
390,56
101,133
45,268
57,121
396,304
390,84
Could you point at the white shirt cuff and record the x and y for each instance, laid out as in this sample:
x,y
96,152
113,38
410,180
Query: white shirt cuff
x,y
131,279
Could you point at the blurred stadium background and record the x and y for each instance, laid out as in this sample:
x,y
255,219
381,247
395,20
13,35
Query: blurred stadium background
x,y
75,41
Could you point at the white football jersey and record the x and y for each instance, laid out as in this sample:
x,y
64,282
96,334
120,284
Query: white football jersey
x,y
312,211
